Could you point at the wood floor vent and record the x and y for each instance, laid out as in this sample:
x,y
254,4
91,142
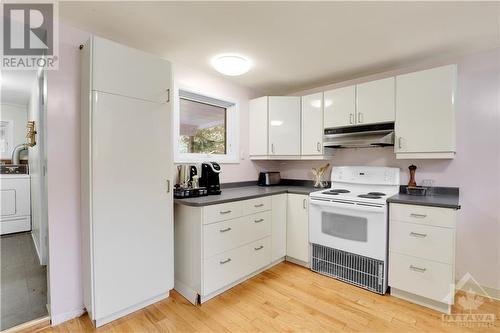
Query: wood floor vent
x,y
352,268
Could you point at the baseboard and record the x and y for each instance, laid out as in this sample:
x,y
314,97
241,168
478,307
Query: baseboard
x,y
481,290
188,293
31,326
297,262
62,317
105,320
429,303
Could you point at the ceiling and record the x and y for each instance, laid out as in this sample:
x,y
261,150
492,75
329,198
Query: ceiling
x,y
16,86
294,45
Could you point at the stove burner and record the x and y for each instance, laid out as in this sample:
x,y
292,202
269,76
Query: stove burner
x,y
377,193
369,196
330,193
339,190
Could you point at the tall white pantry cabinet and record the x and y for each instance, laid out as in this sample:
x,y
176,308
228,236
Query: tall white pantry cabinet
x,y
127,209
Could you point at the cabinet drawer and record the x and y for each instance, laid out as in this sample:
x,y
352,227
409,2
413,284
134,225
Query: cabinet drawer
x,y
256,205
228,267
223,212
421,277
443,217
222,236
427,242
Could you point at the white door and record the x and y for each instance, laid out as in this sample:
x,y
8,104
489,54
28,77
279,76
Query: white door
x,y
278,239
312,124
340,107
425,115
375,101
124,71
258,126
132,205
297,228
284,125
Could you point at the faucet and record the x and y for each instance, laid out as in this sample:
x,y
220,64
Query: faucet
x,y
16,153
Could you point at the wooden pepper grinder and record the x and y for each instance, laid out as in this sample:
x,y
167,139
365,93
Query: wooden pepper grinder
x,y
412,182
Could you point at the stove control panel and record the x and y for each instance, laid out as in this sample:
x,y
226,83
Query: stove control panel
x,y
366,175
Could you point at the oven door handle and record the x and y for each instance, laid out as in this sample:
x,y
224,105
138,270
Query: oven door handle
x,y
358,207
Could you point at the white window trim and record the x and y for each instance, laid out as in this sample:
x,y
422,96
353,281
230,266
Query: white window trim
x,y
232,132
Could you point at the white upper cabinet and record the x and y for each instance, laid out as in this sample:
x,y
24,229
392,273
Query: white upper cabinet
x,y
375,101
425,113
312,124
340,107
284,125
258,126
118,69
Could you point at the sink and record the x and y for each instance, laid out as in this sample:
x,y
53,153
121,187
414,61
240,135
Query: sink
x,y
14,169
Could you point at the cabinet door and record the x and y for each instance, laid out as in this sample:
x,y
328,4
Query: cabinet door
x,y
425,115
375,101
312,124
121,70
340,107
297,228
284,125
278,240
258,126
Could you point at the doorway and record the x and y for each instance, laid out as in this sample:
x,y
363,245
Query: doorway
x,y
23,219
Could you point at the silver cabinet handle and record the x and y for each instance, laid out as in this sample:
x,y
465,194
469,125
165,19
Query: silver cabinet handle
x,y
351,118
259,205
400,144
304,203
168,95
418,269
258,248
224,212
417,235
418,216
225,230
360,117
258,221
272,148
168,185
222,262
318,146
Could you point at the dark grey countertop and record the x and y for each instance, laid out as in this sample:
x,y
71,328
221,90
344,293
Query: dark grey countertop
x,y
445,197
244,193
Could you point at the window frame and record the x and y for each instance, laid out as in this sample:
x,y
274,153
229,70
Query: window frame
x,y
232,129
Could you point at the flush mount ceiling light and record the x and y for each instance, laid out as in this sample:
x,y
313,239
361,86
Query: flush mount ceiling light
x,y
231,64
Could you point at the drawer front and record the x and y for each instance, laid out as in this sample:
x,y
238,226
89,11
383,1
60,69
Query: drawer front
x,y
256,205
228,267
421,277
443,217
428,242
223,212
222,236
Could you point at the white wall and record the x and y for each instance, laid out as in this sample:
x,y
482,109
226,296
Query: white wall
x,y
475,169
19,116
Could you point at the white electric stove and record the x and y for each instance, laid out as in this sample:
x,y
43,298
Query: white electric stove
x,y
348,225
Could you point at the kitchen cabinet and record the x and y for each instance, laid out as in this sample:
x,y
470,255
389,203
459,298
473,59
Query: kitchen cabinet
x,y
284,125
312,125
375,102
258,126
219,246
340,107
422,254
297,229
279,216
425,113
126,208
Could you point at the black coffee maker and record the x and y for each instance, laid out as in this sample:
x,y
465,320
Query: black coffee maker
x,y
210,177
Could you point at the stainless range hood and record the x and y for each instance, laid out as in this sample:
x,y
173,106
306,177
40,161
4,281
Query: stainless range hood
x,y
360,136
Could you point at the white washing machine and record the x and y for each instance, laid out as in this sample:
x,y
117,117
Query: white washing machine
x,y
15,207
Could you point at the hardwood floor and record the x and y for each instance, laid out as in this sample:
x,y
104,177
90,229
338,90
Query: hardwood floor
x,y
285,298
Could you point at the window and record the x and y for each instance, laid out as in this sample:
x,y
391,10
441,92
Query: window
x,y
205,128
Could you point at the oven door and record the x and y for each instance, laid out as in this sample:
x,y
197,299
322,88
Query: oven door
x,y
355,228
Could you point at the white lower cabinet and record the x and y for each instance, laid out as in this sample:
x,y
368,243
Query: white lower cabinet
x,y
218,246
422,255
297,229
